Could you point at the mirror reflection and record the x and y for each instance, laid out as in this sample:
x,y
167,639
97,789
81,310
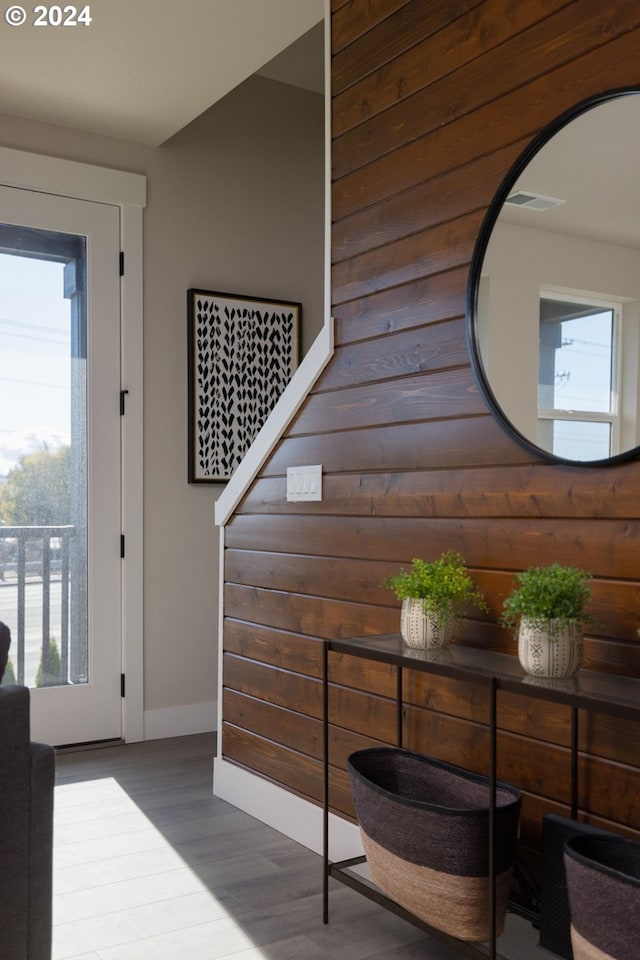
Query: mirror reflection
x,y
556,326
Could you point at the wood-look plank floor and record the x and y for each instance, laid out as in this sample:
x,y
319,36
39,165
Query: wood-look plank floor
x,y
149,865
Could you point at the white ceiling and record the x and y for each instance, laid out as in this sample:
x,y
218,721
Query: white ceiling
x,y
144,69
591,164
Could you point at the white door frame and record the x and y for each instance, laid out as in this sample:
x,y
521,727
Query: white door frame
x,y
127,191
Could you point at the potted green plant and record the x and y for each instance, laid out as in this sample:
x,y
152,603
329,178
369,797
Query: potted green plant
x,y
547,605
433,594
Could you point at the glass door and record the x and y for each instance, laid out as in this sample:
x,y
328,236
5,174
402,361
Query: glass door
x,y
60,461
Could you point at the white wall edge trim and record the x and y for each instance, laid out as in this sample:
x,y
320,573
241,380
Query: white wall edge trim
x,y
69,178
296,818
180,721
285,409
220,691
327,160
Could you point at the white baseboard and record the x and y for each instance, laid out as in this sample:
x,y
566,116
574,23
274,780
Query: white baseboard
x,y
298,819
180,721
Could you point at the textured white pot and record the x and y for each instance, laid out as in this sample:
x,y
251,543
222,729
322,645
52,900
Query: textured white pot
x,y
545,651
419,629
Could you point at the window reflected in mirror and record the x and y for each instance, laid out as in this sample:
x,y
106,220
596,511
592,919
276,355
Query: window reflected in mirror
x,y
554,303
577,373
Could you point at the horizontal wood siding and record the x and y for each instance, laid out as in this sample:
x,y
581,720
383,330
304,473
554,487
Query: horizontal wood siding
x,y
432,104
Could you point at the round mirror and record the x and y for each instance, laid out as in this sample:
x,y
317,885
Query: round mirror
x,y
554,293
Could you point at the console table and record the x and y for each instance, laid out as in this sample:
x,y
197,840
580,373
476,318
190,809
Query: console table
x,y
597,692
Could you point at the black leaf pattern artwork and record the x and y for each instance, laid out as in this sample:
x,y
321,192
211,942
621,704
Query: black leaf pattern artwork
x,y
242,354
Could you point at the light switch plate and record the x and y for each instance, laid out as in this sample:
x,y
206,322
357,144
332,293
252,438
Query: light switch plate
x,y
304,483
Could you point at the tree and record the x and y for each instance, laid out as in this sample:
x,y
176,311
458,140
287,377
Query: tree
x,y
37,490
9,675
48,674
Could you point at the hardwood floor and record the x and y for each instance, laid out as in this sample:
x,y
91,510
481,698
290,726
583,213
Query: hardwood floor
x,y
148,865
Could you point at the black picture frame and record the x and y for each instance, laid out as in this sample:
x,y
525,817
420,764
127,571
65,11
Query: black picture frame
x,y
243,351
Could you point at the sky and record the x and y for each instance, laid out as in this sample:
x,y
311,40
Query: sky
x,y
583,364
34,358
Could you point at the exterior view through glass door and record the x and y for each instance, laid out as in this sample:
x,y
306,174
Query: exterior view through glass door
x,y
60,461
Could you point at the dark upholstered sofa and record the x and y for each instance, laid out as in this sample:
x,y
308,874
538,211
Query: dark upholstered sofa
x,y
26,827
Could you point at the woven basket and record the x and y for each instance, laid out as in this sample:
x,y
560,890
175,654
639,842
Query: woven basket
x,y
603,882
425,830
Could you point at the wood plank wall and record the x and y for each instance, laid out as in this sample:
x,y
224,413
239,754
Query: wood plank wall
x,y
432,103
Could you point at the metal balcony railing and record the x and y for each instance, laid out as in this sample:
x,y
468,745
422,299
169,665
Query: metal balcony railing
x,y
32,559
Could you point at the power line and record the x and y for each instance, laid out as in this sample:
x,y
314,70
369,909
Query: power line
x,y
28,326
62,334
36,383
24,336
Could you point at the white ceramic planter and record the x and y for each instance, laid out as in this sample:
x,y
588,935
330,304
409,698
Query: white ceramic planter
x,y
545,651
420,630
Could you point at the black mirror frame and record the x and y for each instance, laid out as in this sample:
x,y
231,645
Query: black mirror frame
x,y
477,260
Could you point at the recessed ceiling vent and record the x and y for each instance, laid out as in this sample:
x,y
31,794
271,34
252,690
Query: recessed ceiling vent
x,y
532,201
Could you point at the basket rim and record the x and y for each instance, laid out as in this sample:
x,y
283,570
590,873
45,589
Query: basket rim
x,y
587,861
465,774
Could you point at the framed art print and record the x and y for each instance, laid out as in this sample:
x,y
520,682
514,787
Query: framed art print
x,y
242,353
